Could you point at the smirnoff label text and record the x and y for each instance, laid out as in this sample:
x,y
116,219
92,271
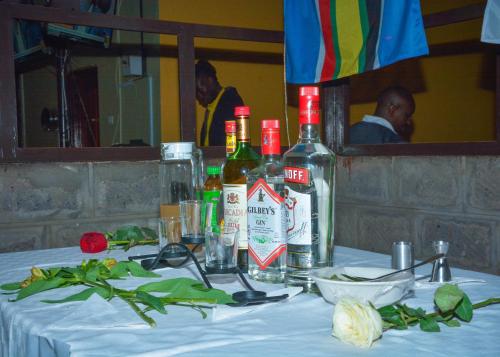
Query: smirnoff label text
x,y
297,175
266,221
235,211
298,213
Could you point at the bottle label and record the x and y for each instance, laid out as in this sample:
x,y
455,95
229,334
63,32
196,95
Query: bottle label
x,y
235,211
266,224
230,144
298,209
210,196
297,175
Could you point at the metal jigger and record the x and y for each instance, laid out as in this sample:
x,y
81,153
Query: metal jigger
x,y
441,270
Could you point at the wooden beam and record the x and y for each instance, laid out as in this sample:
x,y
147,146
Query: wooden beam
x,y
465,13
187,89
8,110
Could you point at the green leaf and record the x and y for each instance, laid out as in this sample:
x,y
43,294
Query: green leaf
x,y
150,233
137,270
39,286
398,322
447,297
11,286
152,301
53,272
119,270
452,323
464,309
187,290
82,295
132,233
413,312
388,310
92,274
428,324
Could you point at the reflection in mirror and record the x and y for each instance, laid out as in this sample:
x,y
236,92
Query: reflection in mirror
x,y
244,70
454,92
86,87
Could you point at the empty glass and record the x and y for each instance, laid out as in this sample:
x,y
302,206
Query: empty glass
x,y
221,242
169,229
191,228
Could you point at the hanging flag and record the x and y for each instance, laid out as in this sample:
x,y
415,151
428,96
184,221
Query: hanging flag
x,y
491,22
330,39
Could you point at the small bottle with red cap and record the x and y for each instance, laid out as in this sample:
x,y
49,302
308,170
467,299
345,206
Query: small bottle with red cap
x,y
309,180
266,212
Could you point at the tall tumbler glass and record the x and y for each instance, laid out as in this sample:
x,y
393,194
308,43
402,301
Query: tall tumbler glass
x,y
191,217
221,242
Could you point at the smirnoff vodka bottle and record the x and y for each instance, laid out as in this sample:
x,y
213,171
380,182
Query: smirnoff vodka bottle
x,y
309,187
266,210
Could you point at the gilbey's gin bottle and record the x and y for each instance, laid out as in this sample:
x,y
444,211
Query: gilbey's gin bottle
x,y
266,210
309,187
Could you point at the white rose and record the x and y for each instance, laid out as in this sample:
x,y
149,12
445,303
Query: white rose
x,y
356,323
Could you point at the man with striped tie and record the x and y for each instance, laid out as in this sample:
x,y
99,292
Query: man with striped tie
x,y
219,103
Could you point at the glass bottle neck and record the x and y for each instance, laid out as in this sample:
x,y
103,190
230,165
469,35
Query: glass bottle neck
x,y
242,130
271,158
309,133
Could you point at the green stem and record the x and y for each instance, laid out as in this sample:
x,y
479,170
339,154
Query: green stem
x,y
478,305
126,296
139,312
486,303
139,242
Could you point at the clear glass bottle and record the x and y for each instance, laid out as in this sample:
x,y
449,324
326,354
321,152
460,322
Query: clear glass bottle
x,y
309,188
266,210
234,182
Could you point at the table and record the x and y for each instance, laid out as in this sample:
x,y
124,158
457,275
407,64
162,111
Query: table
x,y
299,327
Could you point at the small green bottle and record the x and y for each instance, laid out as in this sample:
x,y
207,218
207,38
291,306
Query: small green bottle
x,y
211,192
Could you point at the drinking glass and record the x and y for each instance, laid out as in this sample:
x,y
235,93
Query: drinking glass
x,y
169,229
221,242
191,223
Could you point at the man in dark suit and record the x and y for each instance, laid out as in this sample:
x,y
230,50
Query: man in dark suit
x,y
218,101
391,122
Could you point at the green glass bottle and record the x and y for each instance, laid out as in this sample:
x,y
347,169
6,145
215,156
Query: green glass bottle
x,y
234,178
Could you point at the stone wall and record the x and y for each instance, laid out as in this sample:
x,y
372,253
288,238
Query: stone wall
x,y
48,205
378,200
384,199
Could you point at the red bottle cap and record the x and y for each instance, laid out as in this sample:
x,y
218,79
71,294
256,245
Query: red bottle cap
x,y
308,105
242,111
230,126
270,124
270,137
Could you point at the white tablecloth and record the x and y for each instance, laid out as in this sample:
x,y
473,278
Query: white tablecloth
x,y
299,327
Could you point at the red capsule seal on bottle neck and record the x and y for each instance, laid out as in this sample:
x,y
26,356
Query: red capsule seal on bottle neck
x,y
309,112
270,137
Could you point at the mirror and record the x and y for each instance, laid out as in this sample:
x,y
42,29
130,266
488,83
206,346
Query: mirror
x,y
81,86
248,71
454,96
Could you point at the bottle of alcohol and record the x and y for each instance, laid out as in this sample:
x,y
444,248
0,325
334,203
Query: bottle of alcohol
x,y
234,181
212,190
230,137
266,210
309,187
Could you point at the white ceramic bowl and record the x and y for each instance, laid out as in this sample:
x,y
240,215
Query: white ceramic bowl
x,y
379,293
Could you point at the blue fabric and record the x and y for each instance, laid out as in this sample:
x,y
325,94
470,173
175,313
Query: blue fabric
x,y
402,33
302,40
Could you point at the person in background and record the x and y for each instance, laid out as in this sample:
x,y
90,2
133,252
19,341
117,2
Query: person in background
x,y
219,103
392,121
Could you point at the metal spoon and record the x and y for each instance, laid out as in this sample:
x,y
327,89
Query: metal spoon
x,y
427,261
